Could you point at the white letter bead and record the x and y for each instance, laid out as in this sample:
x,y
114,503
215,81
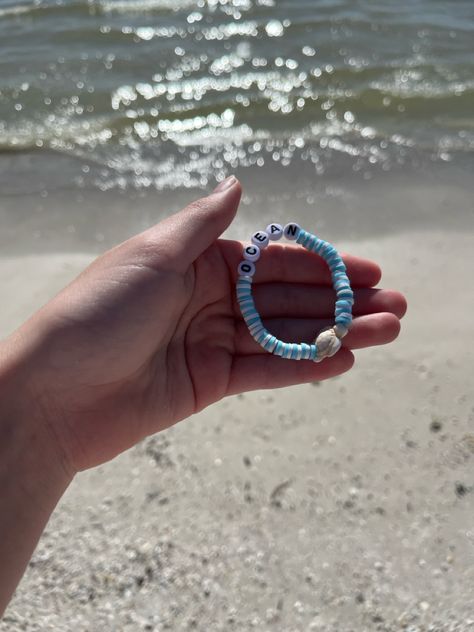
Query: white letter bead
x,y
291,231
246,268
275,231
260,239
252,253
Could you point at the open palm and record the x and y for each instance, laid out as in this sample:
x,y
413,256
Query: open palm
x,y
150,332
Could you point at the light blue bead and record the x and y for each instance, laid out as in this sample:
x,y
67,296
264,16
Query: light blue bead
x,y
345,293
329,251
271,344
249,311
268,343
252,321
343,320
301,236
305,351
261,336
313,352
294,351
246,308
243,294
246,300
279,348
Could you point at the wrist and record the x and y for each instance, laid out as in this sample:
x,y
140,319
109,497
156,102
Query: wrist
x,y
33,476
24,427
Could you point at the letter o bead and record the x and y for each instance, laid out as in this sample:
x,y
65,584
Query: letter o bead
x,y
252,253
246,268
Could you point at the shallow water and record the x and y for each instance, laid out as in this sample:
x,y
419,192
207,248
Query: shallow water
x,y
171,93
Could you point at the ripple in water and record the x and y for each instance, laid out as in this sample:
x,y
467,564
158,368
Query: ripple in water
x,y
166,94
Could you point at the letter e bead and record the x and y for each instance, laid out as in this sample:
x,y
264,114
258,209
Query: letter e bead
x,y
260,239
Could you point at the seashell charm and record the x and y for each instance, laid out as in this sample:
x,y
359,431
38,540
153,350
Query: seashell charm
x,y
327,343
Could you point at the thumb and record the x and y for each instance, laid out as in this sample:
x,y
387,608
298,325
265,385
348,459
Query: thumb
x,y
191,231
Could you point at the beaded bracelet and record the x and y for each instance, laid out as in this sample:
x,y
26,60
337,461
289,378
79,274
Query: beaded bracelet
x,y
328,342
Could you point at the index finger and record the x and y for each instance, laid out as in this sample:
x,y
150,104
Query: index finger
x,y
295,264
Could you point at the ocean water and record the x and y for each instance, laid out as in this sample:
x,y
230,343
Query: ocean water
x,y
159,94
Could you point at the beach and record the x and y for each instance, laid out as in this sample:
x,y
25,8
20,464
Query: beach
x,y
345,505
341,506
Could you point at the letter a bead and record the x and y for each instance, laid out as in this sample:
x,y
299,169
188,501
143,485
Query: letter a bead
x,y
328,342
274,231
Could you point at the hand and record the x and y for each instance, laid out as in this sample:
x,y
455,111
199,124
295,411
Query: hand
x,y
150,332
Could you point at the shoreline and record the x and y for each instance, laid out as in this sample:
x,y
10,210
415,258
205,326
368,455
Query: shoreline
x,y
50,218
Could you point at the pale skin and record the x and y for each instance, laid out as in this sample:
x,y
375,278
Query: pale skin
x,y
147,335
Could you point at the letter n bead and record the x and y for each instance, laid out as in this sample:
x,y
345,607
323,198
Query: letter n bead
x,y
291,231
328,341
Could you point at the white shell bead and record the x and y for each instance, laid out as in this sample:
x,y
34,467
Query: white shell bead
x,y
274,231
260,239
291,231
252,253
246,268
328,343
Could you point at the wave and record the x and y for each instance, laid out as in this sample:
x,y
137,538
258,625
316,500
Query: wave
x,y
143,6
92,7
16,10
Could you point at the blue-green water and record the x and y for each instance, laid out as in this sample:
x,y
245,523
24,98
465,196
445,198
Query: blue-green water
x,y
166,93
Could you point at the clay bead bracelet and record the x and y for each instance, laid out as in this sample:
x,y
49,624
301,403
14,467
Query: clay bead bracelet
x,y
328,342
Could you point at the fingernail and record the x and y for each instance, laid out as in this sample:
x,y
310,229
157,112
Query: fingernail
x,y
225,184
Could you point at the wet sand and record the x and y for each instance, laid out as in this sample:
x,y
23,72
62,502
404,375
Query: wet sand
x,y
340,506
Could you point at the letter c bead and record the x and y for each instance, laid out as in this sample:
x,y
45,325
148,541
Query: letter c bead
x,y
252,253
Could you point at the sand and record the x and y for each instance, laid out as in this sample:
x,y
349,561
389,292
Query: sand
x,y
341,506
